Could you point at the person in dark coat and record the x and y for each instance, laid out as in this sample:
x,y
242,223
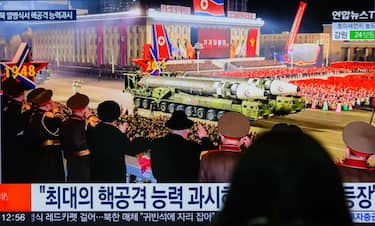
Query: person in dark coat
x,y
218,165
285,178
74,139
173,157
359,162
108,145
13,124
42,139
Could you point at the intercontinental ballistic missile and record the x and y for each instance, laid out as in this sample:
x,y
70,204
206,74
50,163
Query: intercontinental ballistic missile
x,y
270,86
223,89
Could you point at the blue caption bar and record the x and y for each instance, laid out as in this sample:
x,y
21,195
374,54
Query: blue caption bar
x,y
37,15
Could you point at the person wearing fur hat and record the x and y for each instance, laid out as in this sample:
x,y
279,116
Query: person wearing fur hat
x,y
359,162
108,145
173,157
14,123
42,138
74,139
217,165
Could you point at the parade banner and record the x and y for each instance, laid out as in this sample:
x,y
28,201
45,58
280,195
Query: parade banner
x,y
251,48
99,33
139,202
215,42
209,7
123,44
295,27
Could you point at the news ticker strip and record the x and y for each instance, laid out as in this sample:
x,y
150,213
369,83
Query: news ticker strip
x,y
138,218
206,197
38,15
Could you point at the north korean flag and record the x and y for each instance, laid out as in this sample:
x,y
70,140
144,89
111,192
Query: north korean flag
x,y
162,45
209,7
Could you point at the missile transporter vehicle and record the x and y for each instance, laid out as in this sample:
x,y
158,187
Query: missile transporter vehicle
x,y
280,94
203,99
209,97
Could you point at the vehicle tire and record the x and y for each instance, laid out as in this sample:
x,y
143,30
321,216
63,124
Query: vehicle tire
x,y
189,111
137,102
211,115
220,114
171,108
180,107
201,113
145,104
163,106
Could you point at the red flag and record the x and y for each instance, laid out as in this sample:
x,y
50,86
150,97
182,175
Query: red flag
x,y
123,43
251,47
100,44
295,27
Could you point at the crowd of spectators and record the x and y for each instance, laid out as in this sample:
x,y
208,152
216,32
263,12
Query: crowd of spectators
x,y
337,93
256,63
154,128
300,73
186,67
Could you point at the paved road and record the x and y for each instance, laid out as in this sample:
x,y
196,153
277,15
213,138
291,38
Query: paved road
x,y
325,126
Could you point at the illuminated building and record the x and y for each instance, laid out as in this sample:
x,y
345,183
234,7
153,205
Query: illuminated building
x,y
237,5
272,44
349,50
110,6
116,38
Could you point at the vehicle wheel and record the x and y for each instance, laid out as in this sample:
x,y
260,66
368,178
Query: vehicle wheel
x,y
189,111
163,106
180,107
220,114
137,102
171,108
211,115
145,104
201,113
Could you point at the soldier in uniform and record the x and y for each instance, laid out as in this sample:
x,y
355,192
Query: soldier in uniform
x,y
42,138
74,140
13,125
218,165
358,165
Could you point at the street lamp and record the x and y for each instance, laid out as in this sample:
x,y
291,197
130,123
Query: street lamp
x,y
197,47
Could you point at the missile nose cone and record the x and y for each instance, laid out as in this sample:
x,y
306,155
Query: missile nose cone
x,y
245,91
280,87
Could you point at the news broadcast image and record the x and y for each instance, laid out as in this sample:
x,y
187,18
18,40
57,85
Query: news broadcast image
x,y
195,112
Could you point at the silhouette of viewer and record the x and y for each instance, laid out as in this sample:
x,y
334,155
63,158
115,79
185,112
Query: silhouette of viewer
x,y
285,178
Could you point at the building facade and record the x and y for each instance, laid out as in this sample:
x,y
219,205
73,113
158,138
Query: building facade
x,y
237,5
111,6
272,46
349,50
117,38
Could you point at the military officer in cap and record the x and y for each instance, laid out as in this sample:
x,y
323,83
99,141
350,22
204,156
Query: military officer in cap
x,y
14,123
359,162
217,165
42,137
173,157
74,139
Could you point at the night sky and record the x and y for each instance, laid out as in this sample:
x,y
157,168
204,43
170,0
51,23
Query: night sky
x,y
279,14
